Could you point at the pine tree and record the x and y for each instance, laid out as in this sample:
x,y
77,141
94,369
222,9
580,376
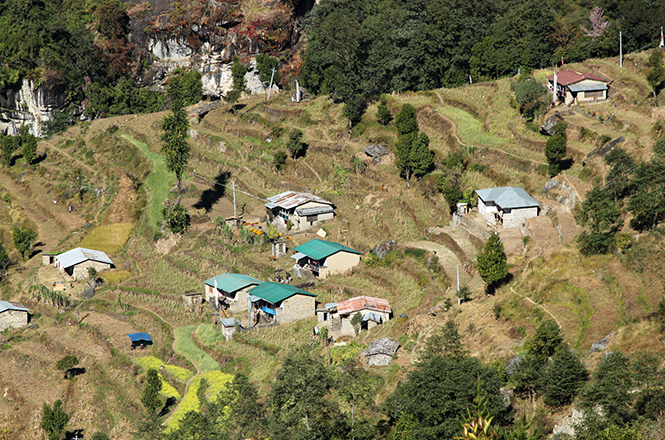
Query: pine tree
x,y
175,128
54,420
600,216
295,144
555,148
28,144
414,155
491,263
238,71
150,397
383,115
563,378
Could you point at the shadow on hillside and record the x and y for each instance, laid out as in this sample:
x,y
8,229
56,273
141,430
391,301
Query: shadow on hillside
x,y
170,402
210,196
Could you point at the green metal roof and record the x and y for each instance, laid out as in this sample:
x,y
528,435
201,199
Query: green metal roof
x,y
232,282
276,292
320,249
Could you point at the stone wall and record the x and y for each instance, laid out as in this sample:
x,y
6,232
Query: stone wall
x,y
295,308
517,217
13,319
80,271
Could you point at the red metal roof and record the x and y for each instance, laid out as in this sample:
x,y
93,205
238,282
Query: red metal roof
x,y
363,302
568,77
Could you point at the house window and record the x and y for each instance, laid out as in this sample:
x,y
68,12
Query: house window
x,y
312,218
598,94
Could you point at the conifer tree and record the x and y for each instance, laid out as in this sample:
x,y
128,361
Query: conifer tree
x,y
150,397
414,155
563,378
54,420
383,115
175,128
491,263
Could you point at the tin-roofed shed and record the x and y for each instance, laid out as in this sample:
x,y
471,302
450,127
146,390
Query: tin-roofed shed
x,y
279,302
506,205
229,291
325,258
303,210
76,262
13,315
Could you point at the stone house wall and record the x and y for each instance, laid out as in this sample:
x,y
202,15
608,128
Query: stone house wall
x,y
80,271
295,308
517,216
235,305
13,319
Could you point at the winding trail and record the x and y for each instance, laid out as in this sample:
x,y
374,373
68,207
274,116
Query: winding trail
x,y
189,381
68,156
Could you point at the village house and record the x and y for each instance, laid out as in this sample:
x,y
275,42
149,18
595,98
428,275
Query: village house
x,y
303,210
13,315
230,291
280,303
508,206
578,87
324,258
75,264
338,316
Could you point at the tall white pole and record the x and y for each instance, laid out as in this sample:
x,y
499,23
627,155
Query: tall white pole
x,y
620,51
459,301
271,78
233,185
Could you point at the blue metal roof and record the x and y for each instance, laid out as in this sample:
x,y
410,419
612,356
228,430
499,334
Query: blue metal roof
x,y
276,292
79,255
507,197
136,337
232,282
6,305
319,249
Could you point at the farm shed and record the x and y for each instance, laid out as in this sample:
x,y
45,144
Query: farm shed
x,y
324,258
229,291
578,87
13,315
278,302
141,340
507,205
303,210
229,327
192,299
381,351
374,311
76,262
378,153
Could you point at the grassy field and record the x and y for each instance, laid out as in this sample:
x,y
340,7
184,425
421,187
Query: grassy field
x,y
186,346
158,182
108,238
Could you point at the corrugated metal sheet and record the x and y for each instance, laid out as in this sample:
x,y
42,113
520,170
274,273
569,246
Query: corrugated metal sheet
x,y
568,77
319,249
507,197
292,199
358,303
8,305
588,87
372,317
315,211
79,255
232,282
229,322
298,255
276,292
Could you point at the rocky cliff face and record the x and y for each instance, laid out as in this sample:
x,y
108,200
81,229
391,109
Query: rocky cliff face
x,y
197,34
30,105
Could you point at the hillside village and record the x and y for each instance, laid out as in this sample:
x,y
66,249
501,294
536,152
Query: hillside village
x,y
301,276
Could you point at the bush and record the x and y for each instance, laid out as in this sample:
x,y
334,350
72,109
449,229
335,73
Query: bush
x,y
176,218
531,96
279,160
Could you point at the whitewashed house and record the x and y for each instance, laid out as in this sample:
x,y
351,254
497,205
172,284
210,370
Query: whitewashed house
x,y
508,206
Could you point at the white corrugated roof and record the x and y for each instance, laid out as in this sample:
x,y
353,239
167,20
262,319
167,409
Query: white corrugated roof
x,y
507,197
7,305
79,255
292,199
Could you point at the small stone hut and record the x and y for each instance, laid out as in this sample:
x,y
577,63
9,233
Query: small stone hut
x,y
381,351
229,327
13,315
74,264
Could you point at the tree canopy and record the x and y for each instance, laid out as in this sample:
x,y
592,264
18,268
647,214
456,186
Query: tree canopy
x,y
491,262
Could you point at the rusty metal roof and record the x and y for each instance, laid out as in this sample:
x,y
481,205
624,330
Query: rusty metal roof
x,y
568,77
358,303
292,199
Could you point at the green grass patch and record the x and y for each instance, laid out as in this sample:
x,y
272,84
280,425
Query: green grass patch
x,y
158,182
208,334
217,382
185,345
108,238
469,129
116,277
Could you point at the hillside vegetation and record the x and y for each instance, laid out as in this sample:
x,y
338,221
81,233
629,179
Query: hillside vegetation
x,y
477,136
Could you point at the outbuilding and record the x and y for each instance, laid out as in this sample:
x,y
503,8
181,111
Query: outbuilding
x,y
13,315
508,206
324,258
76,263
302,210
578,87
338,316
281,303
230,291
381,351
229,327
